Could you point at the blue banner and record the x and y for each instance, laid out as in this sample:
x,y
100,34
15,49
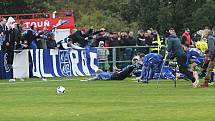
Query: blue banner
x,y
58,63
6,71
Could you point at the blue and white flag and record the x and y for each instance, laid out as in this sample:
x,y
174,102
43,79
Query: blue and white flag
x,y
58,63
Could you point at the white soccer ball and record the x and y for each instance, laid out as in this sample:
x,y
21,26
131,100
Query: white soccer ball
x,y
60,90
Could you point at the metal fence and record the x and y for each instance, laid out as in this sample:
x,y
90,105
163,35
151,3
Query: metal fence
x,y
121,56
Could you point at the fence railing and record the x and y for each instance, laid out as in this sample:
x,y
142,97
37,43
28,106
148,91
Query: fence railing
x,y
121,56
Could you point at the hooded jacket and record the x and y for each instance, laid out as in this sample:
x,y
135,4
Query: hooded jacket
x,y
174,46
211,46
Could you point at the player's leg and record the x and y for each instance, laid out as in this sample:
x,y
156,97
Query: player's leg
x,y
124,73
183,68
210,68
195,69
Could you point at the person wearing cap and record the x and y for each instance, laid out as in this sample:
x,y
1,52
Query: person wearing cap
x,y
103,54
186,39
175,50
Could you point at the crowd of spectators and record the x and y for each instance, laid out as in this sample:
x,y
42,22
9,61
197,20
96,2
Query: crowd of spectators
x,y
16,37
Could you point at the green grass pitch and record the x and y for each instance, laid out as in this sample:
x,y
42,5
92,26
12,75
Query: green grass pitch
x,y
34,100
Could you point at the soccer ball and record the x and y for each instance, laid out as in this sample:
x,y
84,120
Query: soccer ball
x,y
60,90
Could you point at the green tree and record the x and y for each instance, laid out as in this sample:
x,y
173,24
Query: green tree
x,y
125,14
204,16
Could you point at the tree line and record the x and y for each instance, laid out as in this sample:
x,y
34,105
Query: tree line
x,y
124,15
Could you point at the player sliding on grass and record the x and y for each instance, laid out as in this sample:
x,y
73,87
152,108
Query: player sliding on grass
x,y
118,75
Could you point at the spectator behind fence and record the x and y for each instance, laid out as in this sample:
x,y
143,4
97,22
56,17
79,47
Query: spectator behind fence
x,y
114,42
103,54
18,37
31,37
148,40
102,36
141,41
67,43
80,37
148,37
3,29
186,39
9,43
130,41
42,38
51,43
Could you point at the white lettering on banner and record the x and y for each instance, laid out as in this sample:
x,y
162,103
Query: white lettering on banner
x,y
6,67
33,23
42,66
93,56
39,24
84,63
65,64
71,63
75,61
46,23
27,24
36,71
53,53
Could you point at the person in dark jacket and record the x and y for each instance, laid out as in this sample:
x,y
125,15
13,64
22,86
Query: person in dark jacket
x,y
10,40
3,29
31,37
211,56
51,43
176,51
81,37
141,41
130,41
121,75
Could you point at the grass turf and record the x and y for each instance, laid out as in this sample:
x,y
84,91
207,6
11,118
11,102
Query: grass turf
x,y
127,100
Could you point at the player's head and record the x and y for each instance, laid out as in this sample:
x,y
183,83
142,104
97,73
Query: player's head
x,y
142,56
213,30
101,44
98,71
172,31
187,30
206,53
206,31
